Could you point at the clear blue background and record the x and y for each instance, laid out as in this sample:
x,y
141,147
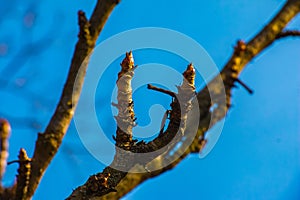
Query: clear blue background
x,y
257,156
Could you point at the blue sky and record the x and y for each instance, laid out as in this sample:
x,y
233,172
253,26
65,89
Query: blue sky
x,y
257,155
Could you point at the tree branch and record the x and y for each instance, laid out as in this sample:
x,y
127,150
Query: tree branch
x,y
93,188
23,175
48,142
4,136
103,183
5,129
242,55
180,108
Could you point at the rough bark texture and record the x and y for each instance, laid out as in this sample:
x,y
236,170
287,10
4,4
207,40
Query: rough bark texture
x,y
113,183
243,54
125,158
48,142
23,175
103,183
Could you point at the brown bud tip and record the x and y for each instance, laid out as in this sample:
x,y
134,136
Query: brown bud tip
x,y
80,12
82,20
128,62
23,155
4,129
189,74
190,67
241,45
203,144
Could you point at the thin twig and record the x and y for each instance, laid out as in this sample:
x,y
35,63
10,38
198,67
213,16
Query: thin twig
x,y
12,162
168,92
244,86
19,161
103,183
288,33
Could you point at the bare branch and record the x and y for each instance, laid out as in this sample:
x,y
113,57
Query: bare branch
x,y
100,15
103,183
94,188
178,117
125,118
242,55
48,142
4,136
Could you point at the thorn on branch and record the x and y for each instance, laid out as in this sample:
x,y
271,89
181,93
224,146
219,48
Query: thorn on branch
x,y
249,90
168,92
